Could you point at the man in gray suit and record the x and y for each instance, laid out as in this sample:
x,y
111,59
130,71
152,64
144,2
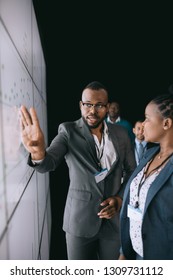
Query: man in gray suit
x,y
100,159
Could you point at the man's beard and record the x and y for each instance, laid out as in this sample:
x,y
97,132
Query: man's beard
x,y
93,126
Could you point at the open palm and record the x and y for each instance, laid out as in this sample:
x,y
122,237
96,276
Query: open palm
x,y
31,133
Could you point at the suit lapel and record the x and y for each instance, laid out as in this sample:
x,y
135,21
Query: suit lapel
x,y
147,156
91,143
114,142
89,139
159,182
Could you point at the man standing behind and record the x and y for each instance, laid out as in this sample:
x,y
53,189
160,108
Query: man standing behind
x,y
96,154
114,117
140,145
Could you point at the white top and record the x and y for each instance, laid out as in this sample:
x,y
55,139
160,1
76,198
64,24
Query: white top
x,y
136,225
105,150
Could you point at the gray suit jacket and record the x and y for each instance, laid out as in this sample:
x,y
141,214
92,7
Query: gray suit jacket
x,y
157,227
75,142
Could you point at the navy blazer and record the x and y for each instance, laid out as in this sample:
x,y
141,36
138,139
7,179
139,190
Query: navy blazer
x,y
157,226
75,142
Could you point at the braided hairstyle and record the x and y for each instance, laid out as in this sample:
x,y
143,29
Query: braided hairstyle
x,y
165,105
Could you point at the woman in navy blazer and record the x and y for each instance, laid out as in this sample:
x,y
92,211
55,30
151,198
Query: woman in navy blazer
x,y
146,217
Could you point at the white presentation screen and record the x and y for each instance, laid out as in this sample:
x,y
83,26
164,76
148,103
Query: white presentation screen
x,y
25,219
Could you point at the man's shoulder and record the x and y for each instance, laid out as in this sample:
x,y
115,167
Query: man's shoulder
x,y
69,126
72,123
116,128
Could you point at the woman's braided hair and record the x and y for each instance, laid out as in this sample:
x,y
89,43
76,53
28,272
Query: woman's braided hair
x,y
165,104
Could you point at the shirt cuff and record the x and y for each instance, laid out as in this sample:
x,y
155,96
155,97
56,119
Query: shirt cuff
x,y
36,162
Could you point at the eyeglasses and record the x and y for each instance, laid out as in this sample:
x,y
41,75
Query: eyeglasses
x,y
97,106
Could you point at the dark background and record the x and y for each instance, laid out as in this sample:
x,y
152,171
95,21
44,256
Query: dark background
x,y
126,46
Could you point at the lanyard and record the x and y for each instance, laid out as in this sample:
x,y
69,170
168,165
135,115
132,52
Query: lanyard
x,y
144,177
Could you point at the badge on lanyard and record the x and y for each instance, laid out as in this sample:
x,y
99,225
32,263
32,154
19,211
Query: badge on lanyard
x,y
101,175
134,213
